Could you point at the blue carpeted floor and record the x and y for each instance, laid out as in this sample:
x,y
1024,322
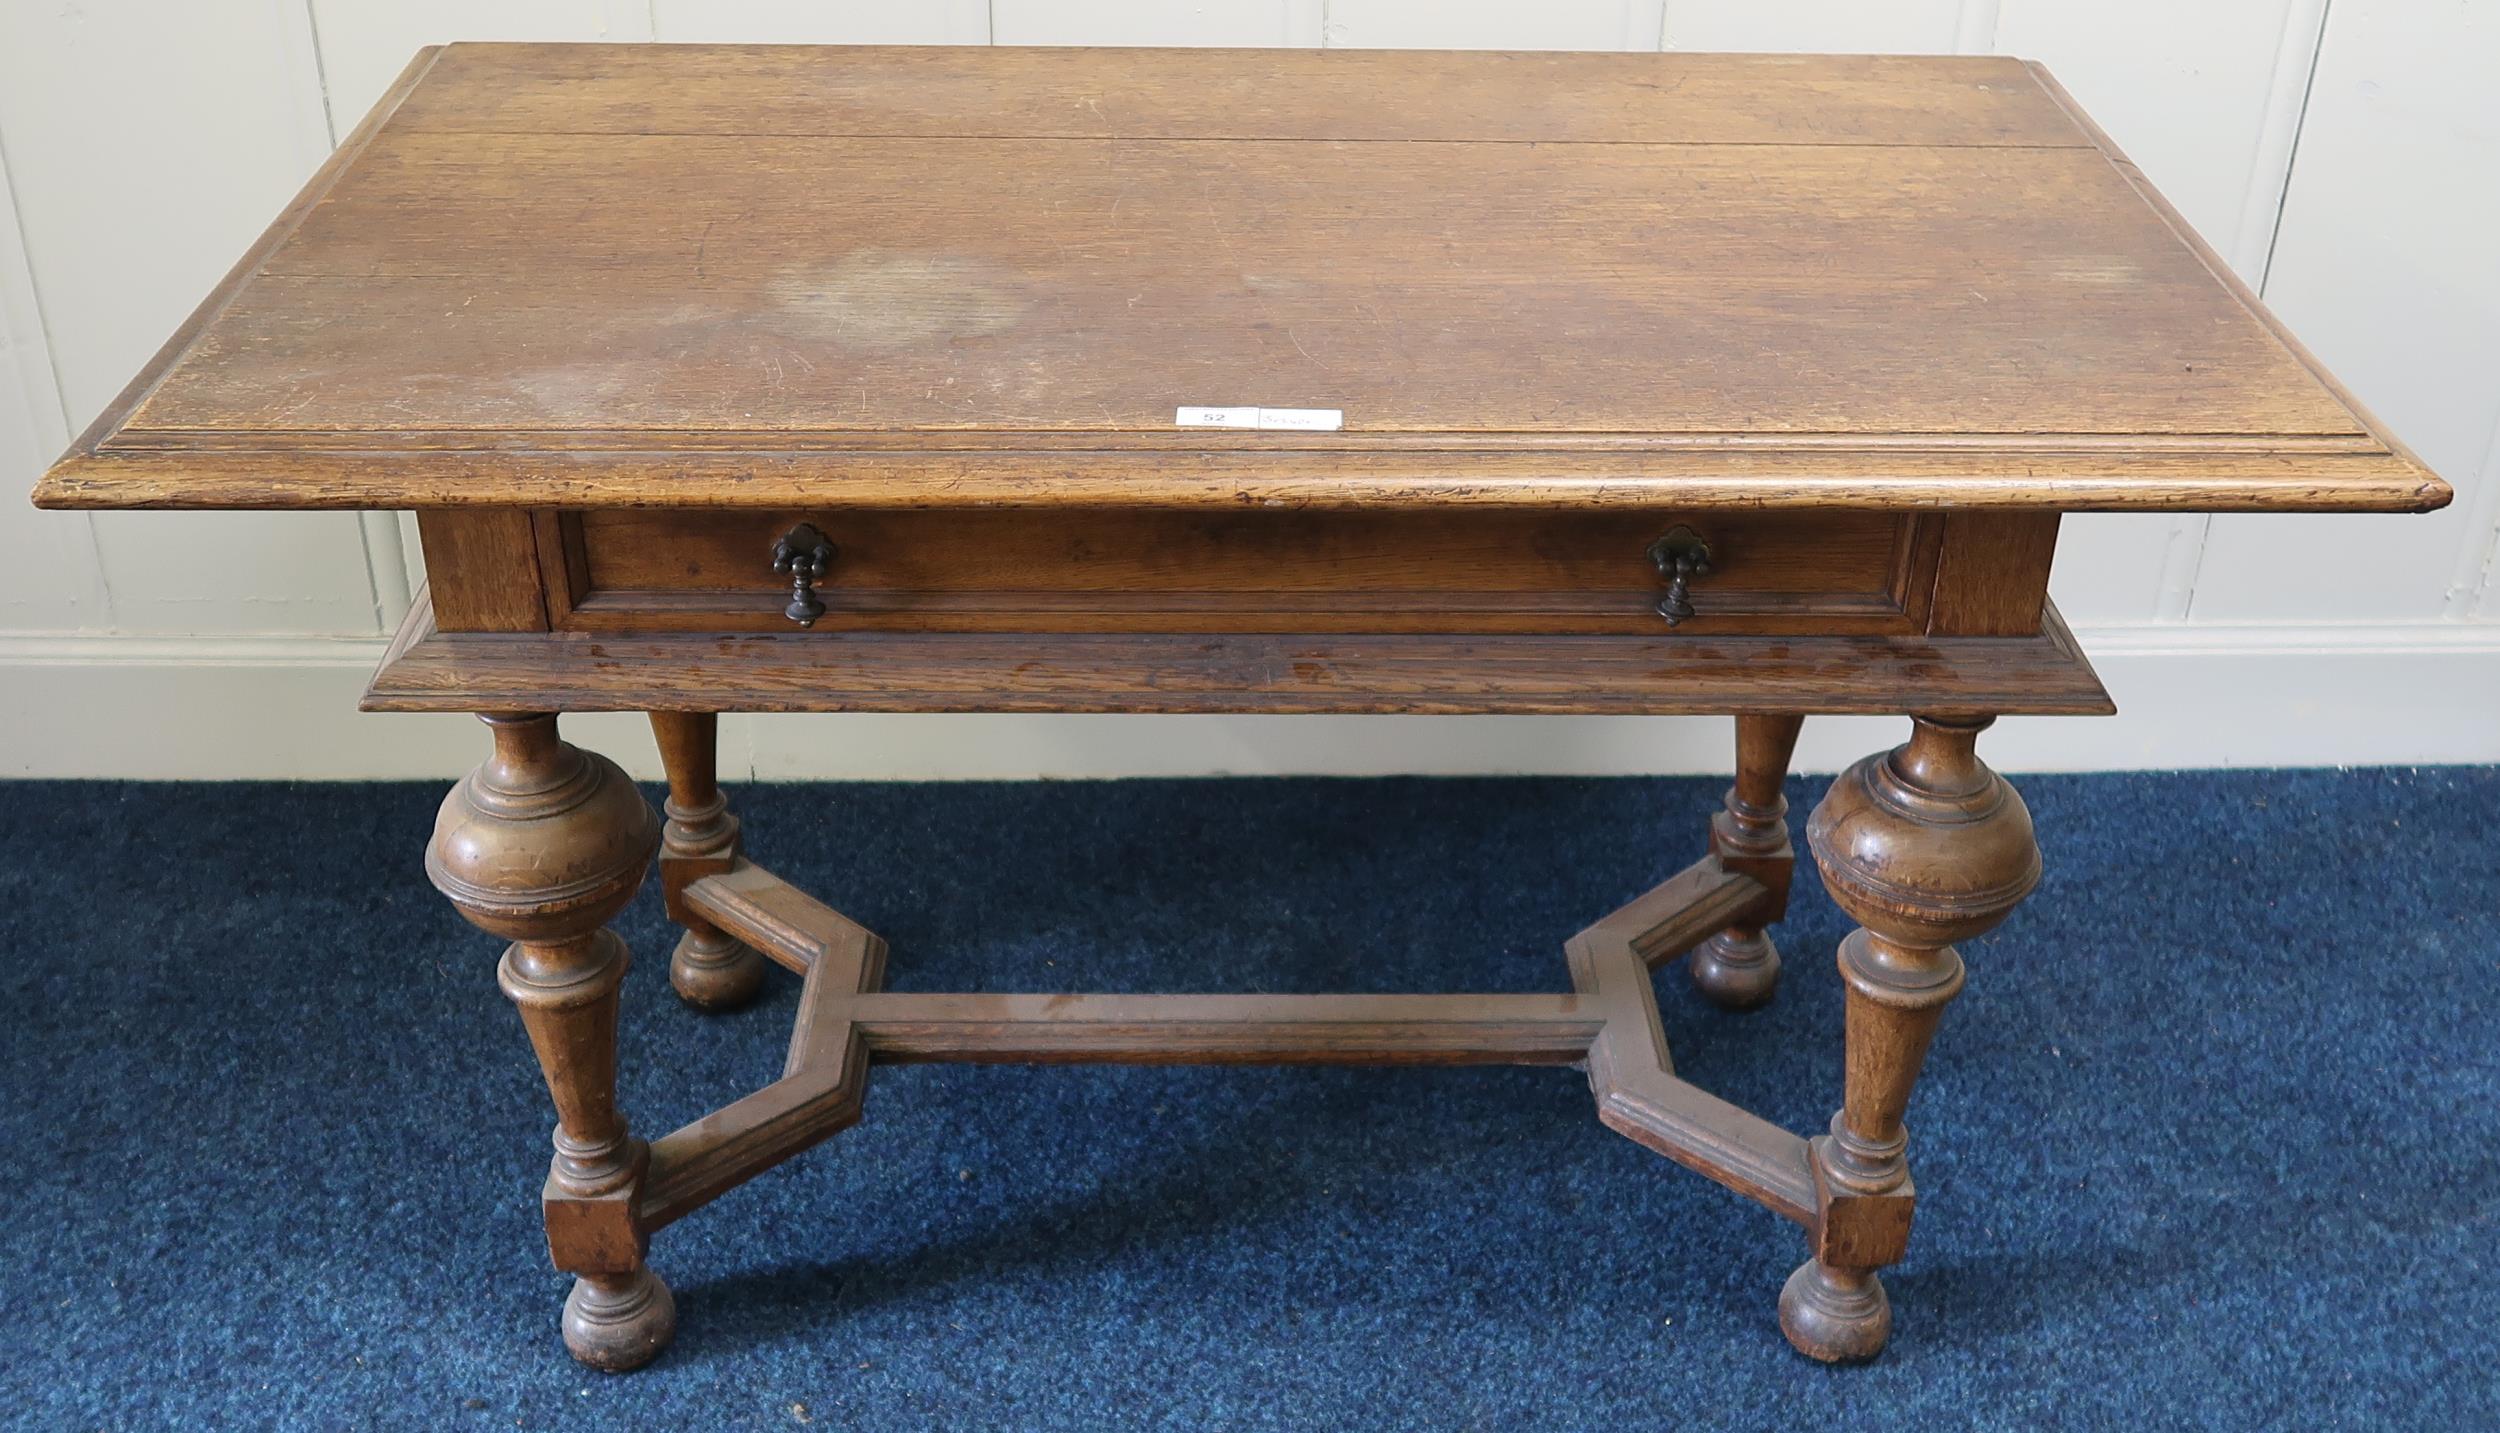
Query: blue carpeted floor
x,y
2213,1139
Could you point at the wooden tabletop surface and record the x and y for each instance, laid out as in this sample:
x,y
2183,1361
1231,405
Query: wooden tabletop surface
x,y
661,275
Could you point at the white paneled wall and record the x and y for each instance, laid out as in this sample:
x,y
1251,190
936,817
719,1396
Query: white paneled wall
x,y
364,44
51,578
2210,112
1538,25
1891,27
1153,22
146,147
2338,153
820,22
2388,266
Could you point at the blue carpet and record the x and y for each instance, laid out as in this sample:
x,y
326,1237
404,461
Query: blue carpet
x,y
2212,1140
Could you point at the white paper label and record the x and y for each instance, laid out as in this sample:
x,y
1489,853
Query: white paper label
x,y
1216,418
1309,420
1321,420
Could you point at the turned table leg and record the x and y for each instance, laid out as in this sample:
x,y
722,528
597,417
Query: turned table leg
x,y
711,970
1739,968
542,845
1922,846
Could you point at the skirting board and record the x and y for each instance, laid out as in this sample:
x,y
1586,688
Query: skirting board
x,y
2188,696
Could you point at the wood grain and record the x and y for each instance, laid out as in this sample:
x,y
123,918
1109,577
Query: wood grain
x,y
586,276
1630,1069
1739,967
484,569
1993,577
1923,846
542,845
1258,571
1156,672
836,285
1229,1029
611,317
2214,263
1611,1020
342,160
1428,96
710,969
1151,470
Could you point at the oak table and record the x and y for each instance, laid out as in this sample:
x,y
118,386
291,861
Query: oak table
x,y
796,379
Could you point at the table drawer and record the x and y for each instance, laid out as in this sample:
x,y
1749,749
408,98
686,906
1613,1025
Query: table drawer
x,y
1007,570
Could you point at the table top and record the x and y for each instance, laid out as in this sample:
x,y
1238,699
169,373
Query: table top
x,y
765,276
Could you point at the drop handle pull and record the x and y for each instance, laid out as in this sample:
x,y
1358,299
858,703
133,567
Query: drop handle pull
x,y
1680,556
802,554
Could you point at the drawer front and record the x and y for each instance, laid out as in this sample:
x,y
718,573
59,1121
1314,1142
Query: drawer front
x,y
1001,570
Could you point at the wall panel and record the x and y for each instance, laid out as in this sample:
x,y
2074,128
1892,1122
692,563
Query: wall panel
x,y
2386,268
2113,567
1878,26
48,574
2208,111
1152,22
366,43
147,146
821,22
145,142
2209,114
1547,25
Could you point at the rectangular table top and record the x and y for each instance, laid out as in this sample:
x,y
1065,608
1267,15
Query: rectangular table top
x,y
706,276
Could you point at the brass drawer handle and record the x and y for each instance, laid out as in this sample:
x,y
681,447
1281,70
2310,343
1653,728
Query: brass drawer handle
x,y
1680,557
802,554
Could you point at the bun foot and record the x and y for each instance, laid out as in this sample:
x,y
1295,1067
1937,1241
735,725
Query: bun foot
x,y
1835,1315
714,972
616,1322
1736,970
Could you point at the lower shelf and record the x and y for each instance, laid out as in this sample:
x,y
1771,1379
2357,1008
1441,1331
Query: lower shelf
x,y
431,670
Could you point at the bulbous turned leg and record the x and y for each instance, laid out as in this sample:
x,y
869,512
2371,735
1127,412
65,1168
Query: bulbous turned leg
x,y
542,845
711,969
1922,846
1739,968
